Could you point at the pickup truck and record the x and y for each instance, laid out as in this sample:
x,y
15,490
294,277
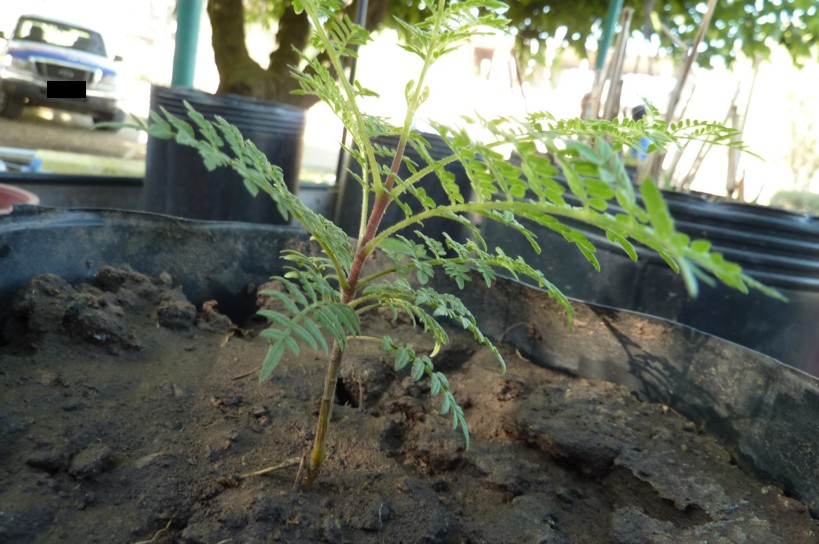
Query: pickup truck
x,y
40,50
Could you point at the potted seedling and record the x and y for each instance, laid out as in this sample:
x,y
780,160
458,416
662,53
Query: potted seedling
x,y
338,296
326,295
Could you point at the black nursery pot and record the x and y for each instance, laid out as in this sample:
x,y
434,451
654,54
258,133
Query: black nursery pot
x,y
778,248
176,180
762,410
348,206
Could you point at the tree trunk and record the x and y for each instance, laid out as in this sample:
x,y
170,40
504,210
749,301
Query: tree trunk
x,y
240,74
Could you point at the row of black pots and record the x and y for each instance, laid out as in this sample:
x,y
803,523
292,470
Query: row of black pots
x,y
778,248
762,410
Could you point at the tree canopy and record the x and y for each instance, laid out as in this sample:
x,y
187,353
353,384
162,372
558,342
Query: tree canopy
x,y
751,27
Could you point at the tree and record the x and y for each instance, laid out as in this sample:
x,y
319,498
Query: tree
x,y
749,26
240,74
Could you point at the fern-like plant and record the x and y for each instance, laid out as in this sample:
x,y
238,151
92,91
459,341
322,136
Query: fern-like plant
x,y
322,299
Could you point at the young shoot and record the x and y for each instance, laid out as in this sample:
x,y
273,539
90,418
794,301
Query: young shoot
x,y
322,299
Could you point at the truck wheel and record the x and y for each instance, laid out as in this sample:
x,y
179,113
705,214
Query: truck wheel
x,y
10,106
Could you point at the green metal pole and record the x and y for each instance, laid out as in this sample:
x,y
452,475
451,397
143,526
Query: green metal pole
x,y
188,16
615,7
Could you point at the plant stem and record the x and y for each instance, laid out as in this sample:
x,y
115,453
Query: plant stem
x,y
325,412
364,248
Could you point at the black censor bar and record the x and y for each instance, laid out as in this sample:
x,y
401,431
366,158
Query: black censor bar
x,y
65,89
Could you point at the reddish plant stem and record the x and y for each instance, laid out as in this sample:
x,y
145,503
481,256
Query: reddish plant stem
x,y
380,205
382,201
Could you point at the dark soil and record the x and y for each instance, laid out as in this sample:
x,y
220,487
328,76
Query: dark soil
x,y
127,416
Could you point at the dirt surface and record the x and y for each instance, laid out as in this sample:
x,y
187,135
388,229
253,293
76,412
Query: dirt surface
x,y
44,128
127,416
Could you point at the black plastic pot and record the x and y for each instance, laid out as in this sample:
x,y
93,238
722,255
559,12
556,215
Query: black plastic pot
x,y
778,248
176,180
762,410
348,206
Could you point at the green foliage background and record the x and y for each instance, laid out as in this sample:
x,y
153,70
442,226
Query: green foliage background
x,y
752,25
756,24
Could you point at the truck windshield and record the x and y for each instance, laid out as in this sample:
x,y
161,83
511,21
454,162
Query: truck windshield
x,y
60,34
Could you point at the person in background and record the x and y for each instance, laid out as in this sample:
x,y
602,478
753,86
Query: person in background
x,y
639,155
35,34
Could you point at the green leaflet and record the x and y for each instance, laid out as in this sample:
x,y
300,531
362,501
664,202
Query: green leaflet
x,y
311,309
439,385
657,210
271,360
417,371
627,246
